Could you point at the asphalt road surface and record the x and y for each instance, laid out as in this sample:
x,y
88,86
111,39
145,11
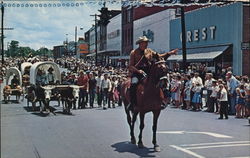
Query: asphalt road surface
x,y
97,133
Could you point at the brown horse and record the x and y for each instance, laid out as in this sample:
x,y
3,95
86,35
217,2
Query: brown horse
x,y
149,99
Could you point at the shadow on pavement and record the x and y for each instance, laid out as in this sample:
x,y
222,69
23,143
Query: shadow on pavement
x,y
40,114
64,113
123,147
30,109
10,102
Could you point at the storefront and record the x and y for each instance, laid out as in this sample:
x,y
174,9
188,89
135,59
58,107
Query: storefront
x,y
114,39
214,35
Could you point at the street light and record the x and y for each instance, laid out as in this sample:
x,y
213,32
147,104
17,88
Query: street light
x,y
75,39
66,45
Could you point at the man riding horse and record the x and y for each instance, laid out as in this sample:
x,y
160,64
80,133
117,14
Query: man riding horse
x,y
140,61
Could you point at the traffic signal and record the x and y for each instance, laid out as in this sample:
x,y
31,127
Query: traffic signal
x,y
105,16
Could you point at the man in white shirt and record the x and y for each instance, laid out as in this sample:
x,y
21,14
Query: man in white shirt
x,y
106,88
99,79
223,102
208,87
214,94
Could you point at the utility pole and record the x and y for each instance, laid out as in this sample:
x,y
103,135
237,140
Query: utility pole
x,y
183,37
75,40
95,38
2,34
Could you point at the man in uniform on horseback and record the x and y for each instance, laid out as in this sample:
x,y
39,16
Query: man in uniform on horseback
x,y
140,61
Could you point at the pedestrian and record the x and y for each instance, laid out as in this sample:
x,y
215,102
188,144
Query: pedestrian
x,y
233,83
214,94
223,102
106,88
99,79
196,100
208,87
187,92
177,90
83,82
240,101
92,89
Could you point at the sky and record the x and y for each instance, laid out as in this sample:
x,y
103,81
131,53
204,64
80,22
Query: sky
x,y
38,27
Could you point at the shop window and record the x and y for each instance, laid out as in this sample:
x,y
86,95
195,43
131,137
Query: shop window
x,y
129,16
129,30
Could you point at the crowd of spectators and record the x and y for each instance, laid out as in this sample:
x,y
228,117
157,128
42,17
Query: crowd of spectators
x,y
224,94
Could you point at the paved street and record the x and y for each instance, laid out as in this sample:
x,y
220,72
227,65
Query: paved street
x,y
97,133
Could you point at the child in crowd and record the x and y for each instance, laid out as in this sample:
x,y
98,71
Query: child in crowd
x,y
240,102
196,100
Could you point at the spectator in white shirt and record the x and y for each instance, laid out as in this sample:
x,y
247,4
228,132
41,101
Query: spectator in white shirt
x,y
214,94
208,87
99,79
106,88
196,79
223,102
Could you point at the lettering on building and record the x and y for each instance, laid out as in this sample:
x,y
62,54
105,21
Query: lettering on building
x,y
114,34
200,34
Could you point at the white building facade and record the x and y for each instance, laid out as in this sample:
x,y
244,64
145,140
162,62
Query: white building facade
x,y
114,36
157,28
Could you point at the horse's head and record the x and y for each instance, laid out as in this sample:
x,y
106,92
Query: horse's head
x,y
158,70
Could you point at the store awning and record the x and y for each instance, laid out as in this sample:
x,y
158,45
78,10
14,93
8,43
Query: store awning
x,y
119,57
200,54
103,52
90,55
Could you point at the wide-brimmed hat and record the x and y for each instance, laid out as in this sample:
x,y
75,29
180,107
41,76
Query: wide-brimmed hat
x,y
142,39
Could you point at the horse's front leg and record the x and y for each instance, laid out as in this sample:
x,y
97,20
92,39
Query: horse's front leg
x,y
132,126
142,115
156,115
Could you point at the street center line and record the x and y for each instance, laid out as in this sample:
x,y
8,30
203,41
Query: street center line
x,y
171,132
241,157
187,151
217,146
212,134
200,144
216,135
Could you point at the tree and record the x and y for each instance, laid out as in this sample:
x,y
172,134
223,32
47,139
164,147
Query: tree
x,y
13,49
25,51
44,52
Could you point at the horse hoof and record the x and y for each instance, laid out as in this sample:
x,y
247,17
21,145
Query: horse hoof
x,y
140,145
157,148
133,141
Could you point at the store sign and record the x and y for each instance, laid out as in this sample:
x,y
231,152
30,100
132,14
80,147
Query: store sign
x,y
149,34
114,34
200,34
83,48
245,46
